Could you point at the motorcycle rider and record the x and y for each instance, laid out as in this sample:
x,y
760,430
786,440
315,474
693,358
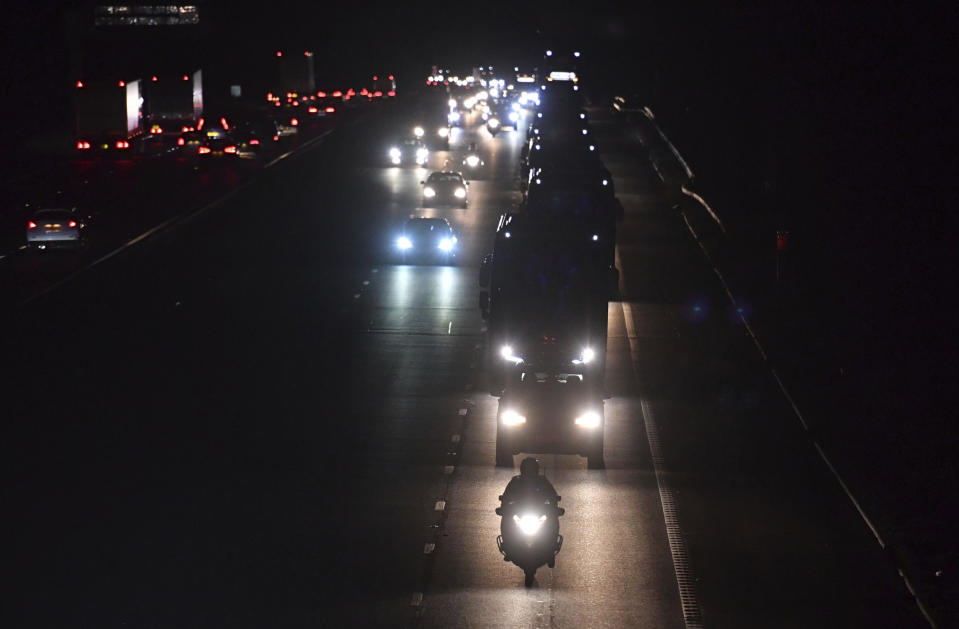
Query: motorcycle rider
x,y
529,486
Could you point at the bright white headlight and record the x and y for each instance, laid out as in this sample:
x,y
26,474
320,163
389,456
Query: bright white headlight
x,y
453,116
529,524
512,418
418,131
472,161
589,419
460,193
513,116
446,244
443,132
588,354
403,242
421,154
452,103
428,192
493,122
395,153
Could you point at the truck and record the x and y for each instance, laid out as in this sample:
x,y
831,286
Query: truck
x,y
173,103
295,74
544,292
109,116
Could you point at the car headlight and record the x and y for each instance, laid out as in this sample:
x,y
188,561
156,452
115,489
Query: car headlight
x,y
506,352
512,418
428,192
452,103
513,116
453,116
395,153
493,122
443,132
404,243
529,524
590,419
472,161
418,131
421,154
446,244
460,193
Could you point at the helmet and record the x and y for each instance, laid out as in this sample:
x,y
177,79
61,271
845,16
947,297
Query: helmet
x,y
529,467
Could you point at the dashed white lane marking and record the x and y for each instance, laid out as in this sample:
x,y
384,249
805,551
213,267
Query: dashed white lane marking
x,y
417,599
428,548
366,282
692,613
356,296
440,505
462,412
449,328
374,270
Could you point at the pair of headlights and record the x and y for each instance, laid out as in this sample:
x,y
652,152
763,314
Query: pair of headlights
x,y
589,419
586,357
446,244
429,193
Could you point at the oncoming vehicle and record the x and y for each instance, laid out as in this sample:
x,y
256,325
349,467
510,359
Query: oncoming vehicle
x,y
427,240
542,410
409,151
55,229
446,187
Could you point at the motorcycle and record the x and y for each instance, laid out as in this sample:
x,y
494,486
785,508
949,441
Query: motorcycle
x,y
530,533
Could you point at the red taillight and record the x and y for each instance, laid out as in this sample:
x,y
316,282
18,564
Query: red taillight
x,y
122,144
351,92
185,129
278,104
79,84
254,142
31,225
391,93
81,145
121,84
378,94
180,141
390,77
203,150
230,149
337,94
225,125
153,78
330,110
72,224
296,103
186,78
279,54
276,138
376,78
156,129
364,92
199,125
313,110
269,96
321,94
294,122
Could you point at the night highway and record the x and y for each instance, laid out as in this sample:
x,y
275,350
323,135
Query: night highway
x,y
245,400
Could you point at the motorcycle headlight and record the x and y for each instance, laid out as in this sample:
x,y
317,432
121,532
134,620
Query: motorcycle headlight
x,y
428,192
404,243
590,419
443,132
512,418
472,161
460,193
529,524
493,122
446,244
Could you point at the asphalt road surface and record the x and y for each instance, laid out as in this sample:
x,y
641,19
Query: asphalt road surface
x,y
260,418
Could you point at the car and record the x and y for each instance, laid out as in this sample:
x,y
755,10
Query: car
x,y
543,410
445,188
427,239
409,151
213,137
256,138
56,228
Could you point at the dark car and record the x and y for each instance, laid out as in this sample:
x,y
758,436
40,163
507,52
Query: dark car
x,y
445,188
428,240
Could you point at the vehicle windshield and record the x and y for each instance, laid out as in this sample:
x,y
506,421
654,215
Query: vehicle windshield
x,y
445,178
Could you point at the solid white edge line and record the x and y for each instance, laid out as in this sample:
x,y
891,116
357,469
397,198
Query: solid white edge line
x,y
685,582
